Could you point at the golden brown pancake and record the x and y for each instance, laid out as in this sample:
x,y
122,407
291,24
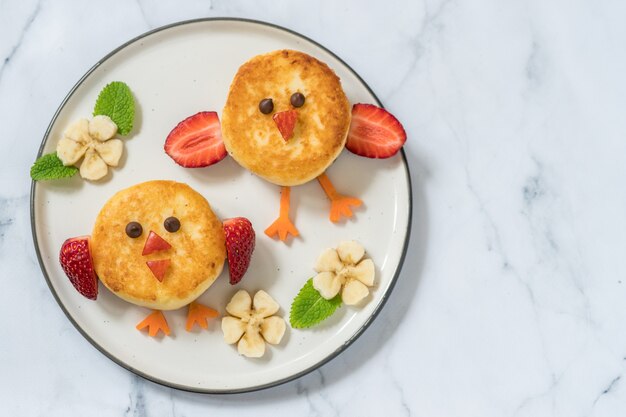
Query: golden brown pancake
x,y
197,254
253,139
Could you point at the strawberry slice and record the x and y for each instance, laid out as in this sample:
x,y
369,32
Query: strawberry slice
x,y
286,123
154,243
159,268
374,132
75,259
196,141
239,246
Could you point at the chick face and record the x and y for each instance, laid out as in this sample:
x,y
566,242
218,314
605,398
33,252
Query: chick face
x,y
308,105
158,244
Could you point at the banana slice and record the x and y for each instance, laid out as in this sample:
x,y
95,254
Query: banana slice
x,y
93,167
328,284
79,132
273,329
353,292
240,305
110,151
253,323
233,329
364,272
264,305
69,151
344,270
350,252
102,128
251,344
328,261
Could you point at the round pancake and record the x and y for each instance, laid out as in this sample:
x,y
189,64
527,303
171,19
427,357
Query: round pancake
x,y
197,254
253,139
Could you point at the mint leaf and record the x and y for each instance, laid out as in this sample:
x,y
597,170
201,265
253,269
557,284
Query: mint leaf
x,y
50,167
116,101
310,308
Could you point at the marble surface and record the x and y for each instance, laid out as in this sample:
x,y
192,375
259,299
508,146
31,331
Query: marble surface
x,y
511,302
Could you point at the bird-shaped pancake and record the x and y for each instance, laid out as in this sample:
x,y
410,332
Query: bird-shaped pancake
x,y
286,119
157,244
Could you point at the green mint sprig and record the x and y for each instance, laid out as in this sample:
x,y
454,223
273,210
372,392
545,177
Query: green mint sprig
x,y
50,167
310,308
116,101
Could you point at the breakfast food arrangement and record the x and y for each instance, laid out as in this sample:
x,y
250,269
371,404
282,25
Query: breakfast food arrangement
x,y
159,244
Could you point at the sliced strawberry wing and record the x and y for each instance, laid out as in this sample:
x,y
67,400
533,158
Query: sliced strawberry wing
x,y
240,242
196,141
76,261
374,132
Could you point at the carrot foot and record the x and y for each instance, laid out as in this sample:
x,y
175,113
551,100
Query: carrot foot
x,y
283,226
340,205
155,322
199,314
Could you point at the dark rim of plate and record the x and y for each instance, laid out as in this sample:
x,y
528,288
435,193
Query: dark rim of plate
x,y
184,387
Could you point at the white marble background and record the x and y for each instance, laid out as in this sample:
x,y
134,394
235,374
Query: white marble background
x,y
512,301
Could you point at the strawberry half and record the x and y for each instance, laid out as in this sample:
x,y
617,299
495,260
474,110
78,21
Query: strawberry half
x,y
196,141
75,259
239,246
374,132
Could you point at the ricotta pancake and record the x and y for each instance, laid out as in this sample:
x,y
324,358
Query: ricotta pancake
x,y
187,251
252,136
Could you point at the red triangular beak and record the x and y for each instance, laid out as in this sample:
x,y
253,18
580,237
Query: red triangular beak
x,y
154,243
286,123
159,268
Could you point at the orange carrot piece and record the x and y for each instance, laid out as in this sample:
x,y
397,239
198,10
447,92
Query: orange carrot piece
x,y
199,314
155,322
283,226
339,204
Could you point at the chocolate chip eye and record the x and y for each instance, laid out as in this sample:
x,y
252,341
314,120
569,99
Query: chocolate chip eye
x,y
297,99
266,106
171,224
134,230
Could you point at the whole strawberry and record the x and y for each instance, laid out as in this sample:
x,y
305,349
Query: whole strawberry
x,y
240,240
75,259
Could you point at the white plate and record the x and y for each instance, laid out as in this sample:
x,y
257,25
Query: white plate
x,y
174,72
